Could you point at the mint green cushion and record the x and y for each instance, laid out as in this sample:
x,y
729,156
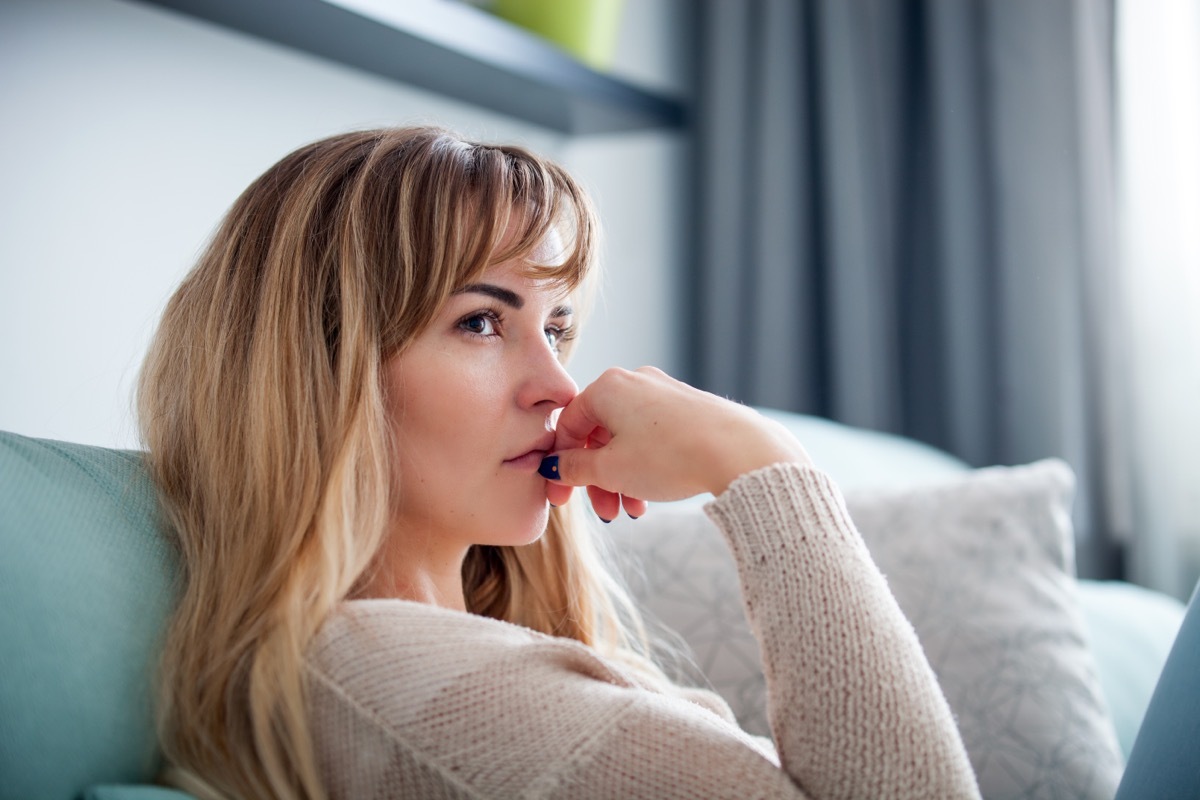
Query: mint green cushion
x,y
85,587
1131,629
858,458
117,792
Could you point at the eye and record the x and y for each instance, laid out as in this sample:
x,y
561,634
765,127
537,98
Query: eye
x,y
481,323
558,335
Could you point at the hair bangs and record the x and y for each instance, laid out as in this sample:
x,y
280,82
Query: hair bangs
x,y
547,222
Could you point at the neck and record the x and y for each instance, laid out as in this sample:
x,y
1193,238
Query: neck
x,y
421,574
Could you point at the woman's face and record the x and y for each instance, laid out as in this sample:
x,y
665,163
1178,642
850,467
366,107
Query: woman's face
x,y
472,401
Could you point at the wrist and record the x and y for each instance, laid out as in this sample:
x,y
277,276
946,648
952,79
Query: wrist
x,y
765,443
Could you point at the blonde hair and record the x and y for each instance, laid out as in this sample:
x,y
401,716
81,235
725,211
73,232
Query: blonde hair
x,y
261,408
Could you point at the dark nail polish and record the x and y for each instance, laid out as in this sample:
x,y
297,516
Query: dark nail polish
x,y
631,516
549,468
605,521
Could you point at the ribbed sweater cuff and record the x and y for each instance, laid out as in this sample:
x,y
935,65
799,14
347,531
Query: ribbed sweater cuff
x,y
760,505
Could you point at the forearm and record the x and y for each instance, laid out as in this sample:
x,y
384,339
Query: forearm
x,y
855,708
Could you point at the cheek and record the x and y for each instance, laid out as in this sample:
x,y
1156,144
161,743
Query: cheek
x,y
465,405
447,406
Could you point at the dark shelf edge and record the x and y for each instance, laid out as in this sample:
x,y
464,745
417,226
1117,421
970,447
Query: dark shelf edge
x,y
453,50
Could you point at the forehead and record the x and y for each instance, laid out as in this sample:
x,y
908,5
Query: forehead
x,y
549,250
540,269
540,240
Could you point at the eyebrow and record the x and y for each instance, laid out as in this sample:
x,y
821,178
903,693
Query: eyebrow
x,y
509,297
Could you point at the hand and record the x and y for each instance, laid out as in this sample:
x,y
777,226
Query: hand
x,y
642,435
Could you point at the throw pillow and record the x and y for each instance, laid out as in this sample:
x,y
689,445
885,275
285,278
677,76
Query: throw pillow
x,y
983,567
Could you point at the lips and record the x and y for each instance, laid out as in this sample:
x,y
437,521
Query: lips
x,y
532,457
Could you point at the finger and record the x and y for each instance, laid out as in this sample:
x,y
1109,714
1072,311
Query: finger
x,y
577,421
558,493
633,506
599,437
606,504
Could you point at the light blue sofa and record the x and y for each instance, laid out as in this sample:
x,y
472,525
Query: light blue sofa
x,y
86,581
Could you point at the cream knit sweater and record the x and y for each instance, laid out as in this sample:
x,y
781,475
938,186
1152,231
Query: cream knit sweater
x,y
410,700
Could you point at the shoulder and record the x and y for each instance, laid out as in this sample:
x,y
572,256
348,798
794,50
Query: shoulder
x,y
423,673
398,642
399,688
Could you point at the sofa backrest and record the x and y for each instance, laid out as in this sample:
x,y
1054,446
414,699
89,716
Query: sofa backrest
x,y
86,582
86,577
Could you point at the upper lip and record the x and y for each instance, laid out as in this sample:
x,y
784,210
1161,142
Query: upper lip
x,y
543,445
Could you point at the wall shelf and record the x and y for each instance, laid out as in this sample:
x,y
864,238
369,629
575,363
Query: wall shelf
x,y
452,49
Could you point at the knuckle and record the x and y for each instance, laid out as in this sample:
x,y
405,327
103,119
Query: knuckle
x,y
613,374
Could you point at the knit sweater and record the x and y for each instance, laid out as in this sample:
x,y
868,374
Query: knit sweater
x,y
411,700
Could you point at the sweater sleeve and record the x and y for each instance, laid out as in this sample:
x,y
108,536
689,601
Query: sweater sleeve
x,y
855,708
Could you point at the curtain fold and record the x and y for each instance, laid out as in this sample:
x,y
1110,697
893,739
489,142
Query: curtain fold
x,y
905,221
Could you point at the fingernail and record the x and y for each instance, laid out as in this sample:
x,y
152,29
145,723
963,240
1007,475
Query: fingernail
x,y
605,521
549,468
631,516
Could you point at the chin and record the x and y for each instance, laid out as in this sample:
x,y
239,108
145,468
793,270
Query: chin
x,y
521,528
537,529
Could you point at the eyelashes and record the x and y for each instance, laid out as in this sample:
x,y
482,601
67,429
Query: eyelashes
x,y
484,322
487,323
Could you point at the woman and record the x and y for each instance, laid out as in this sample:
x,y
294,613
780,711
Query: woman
x,y
358,418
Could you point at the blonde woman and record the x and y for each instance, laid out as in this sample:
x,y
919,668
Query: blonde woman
x,y
359,421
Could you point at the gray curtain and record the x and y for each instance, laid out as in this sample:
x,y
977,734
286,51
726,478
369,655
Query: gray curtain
x,y
904,221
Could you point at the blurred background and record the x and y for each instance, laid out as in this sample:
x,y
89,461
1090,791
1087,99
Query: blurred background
x,y
971,222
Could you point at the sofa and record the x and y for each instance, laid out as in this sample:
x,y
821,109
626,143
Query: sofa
x,y
1048,675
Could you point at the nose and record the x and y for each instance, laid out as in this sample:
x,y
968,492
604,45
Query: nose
x,y
546,384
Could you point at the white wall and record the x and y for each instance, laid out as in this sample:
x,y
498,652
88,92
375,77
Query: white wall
x,y
128,130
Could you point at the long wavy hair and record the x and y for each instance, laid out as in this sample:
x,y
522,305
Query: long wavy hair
x,y
261,409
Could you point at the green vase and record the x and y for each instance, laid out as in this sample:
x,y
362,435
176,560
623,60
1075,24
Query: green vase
x,y
587,29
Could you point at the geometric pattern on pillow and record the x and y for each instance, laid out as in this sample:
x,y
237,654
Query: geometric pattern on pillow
x,y
982,565
679,570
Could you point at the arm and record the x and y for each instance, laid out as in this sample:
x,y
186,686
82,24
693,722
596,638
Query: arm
x,y
855,709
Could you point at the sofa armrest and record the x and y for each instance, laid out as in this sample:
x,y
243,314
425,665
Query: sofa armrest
x,y
1131,631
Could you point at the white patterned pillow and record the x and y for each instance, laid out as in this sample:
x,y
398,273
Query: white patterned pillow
x,y
983,566
984,569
